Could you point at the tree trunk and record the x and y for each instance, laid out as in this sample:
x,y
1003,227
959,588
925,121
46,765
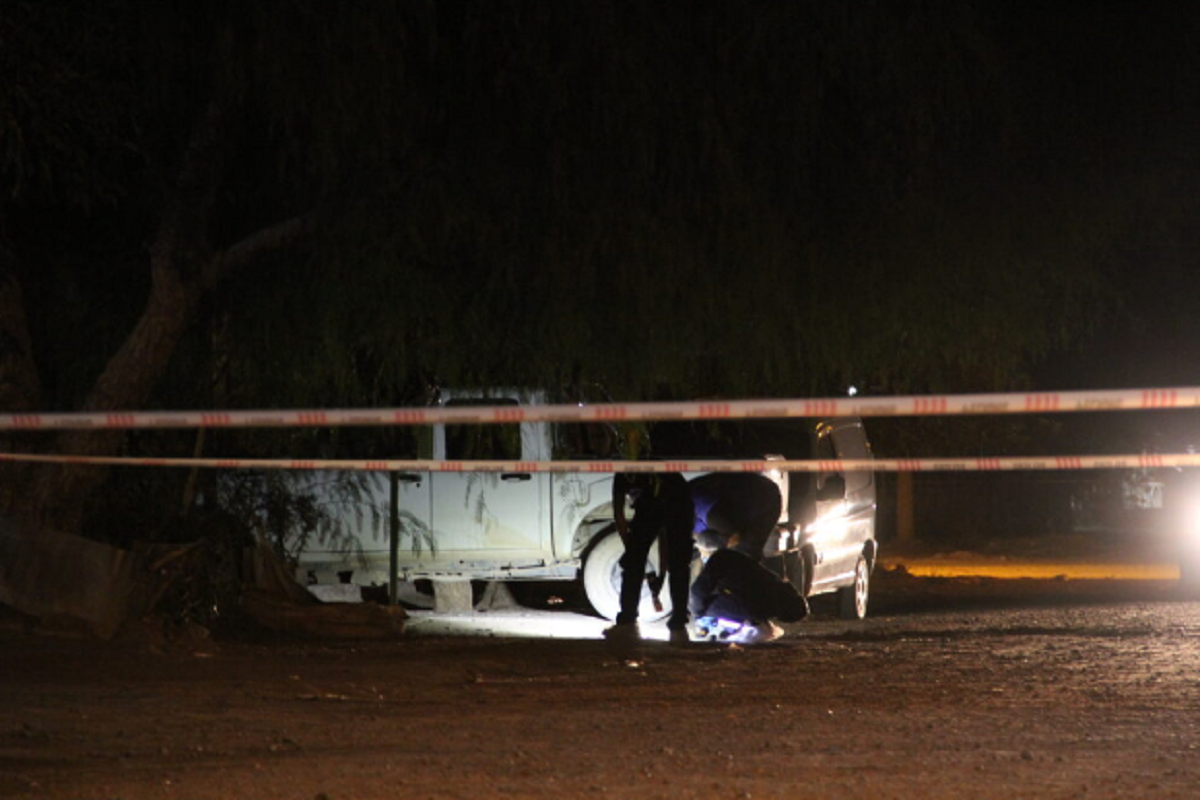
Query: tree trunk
x,y
905,518
180,258
183,267
59,493
20,385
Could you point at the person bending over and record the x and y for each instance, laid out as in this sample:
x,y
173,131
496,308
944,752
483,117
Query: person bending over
x,y
745,504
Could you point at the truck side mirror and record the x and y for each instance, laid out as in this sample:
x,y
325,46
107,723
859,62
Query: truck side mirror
x,y
834,488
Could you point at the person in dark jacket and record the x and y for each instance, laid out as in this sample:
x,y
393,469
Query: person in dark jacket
x,y
745,504
662,506
735,598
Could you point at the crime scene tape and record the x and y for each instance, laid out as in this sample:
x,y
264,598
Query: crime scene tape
x,y
901,406
1002,464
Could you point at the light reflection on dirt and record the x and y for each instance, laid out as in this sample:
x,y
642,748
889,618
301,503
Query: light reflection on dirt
x,y
952,688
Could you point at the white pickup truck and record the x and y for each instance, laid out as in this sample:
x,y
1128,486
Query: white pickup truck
x,y
521,526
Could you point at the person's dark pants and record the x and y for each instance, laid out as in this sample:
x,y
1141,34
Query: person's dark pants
x,y
644,529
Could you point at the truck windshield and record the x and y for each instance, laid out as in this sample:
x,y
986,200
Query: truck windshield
x,y
582,440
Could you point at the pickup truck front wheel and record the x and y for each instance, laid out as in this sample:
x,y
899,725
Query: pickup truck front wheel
x,y
602,580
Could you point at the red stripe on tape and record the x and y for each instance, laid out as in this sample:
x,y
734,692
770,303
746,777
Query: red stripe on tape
x,y
1042,402
714,410
1160,398
930,405
214,420
820,408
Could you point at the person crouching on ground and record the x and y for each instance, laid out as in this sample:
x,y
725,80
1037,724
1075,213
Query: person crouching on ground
x,y
735,598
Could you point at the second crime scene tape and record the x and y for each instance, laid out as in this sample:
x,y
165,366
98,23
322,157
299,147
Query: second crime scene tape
x,y
1003,464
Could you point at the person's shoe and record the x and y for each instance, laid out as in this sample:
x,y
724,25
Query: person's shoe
x,y
756,633
623,632
680,637
704,629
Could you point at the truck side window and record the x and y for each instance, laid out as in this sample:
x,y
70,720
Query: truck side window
x,y
825,451
483,442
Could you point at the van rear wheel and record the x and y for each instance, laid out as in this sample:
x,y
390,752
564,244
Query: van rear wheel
x,y
852,599
799,571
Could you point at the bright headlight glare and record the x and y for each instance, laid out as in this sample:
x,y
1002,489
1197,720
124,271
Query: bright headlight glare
x,y
1191,530
1188,530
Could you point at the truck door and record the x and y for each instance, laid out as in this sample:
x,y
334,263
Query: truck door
x,y
858,507
826,534
489,518
845,502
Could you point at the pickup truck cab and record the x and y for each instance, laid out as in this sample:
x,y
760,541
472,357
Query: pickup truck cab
x,y
529,526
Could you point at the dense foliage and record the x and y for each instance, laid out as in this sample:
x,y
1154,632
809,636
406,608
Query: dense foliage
x,y
292,202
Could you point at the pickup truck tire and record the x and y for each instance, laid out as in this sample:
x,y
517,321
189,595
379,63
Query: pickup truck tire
x,y
602,580
852,599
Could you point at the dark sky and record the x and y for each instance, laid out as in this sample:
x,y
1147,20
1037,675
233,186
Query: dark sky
x,y
1062,108
1122,90
1126,80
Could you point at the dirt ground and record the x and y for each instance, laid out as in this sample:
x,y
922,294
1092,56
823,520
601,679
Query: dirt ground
x,y
954,687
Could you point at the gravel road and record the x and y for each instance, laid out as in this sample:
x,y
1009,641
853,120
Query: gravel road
x,y
955,688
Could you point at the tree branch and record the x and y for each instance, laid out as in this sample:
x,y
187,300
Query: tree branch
x,y
256,244
20,383
183,228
